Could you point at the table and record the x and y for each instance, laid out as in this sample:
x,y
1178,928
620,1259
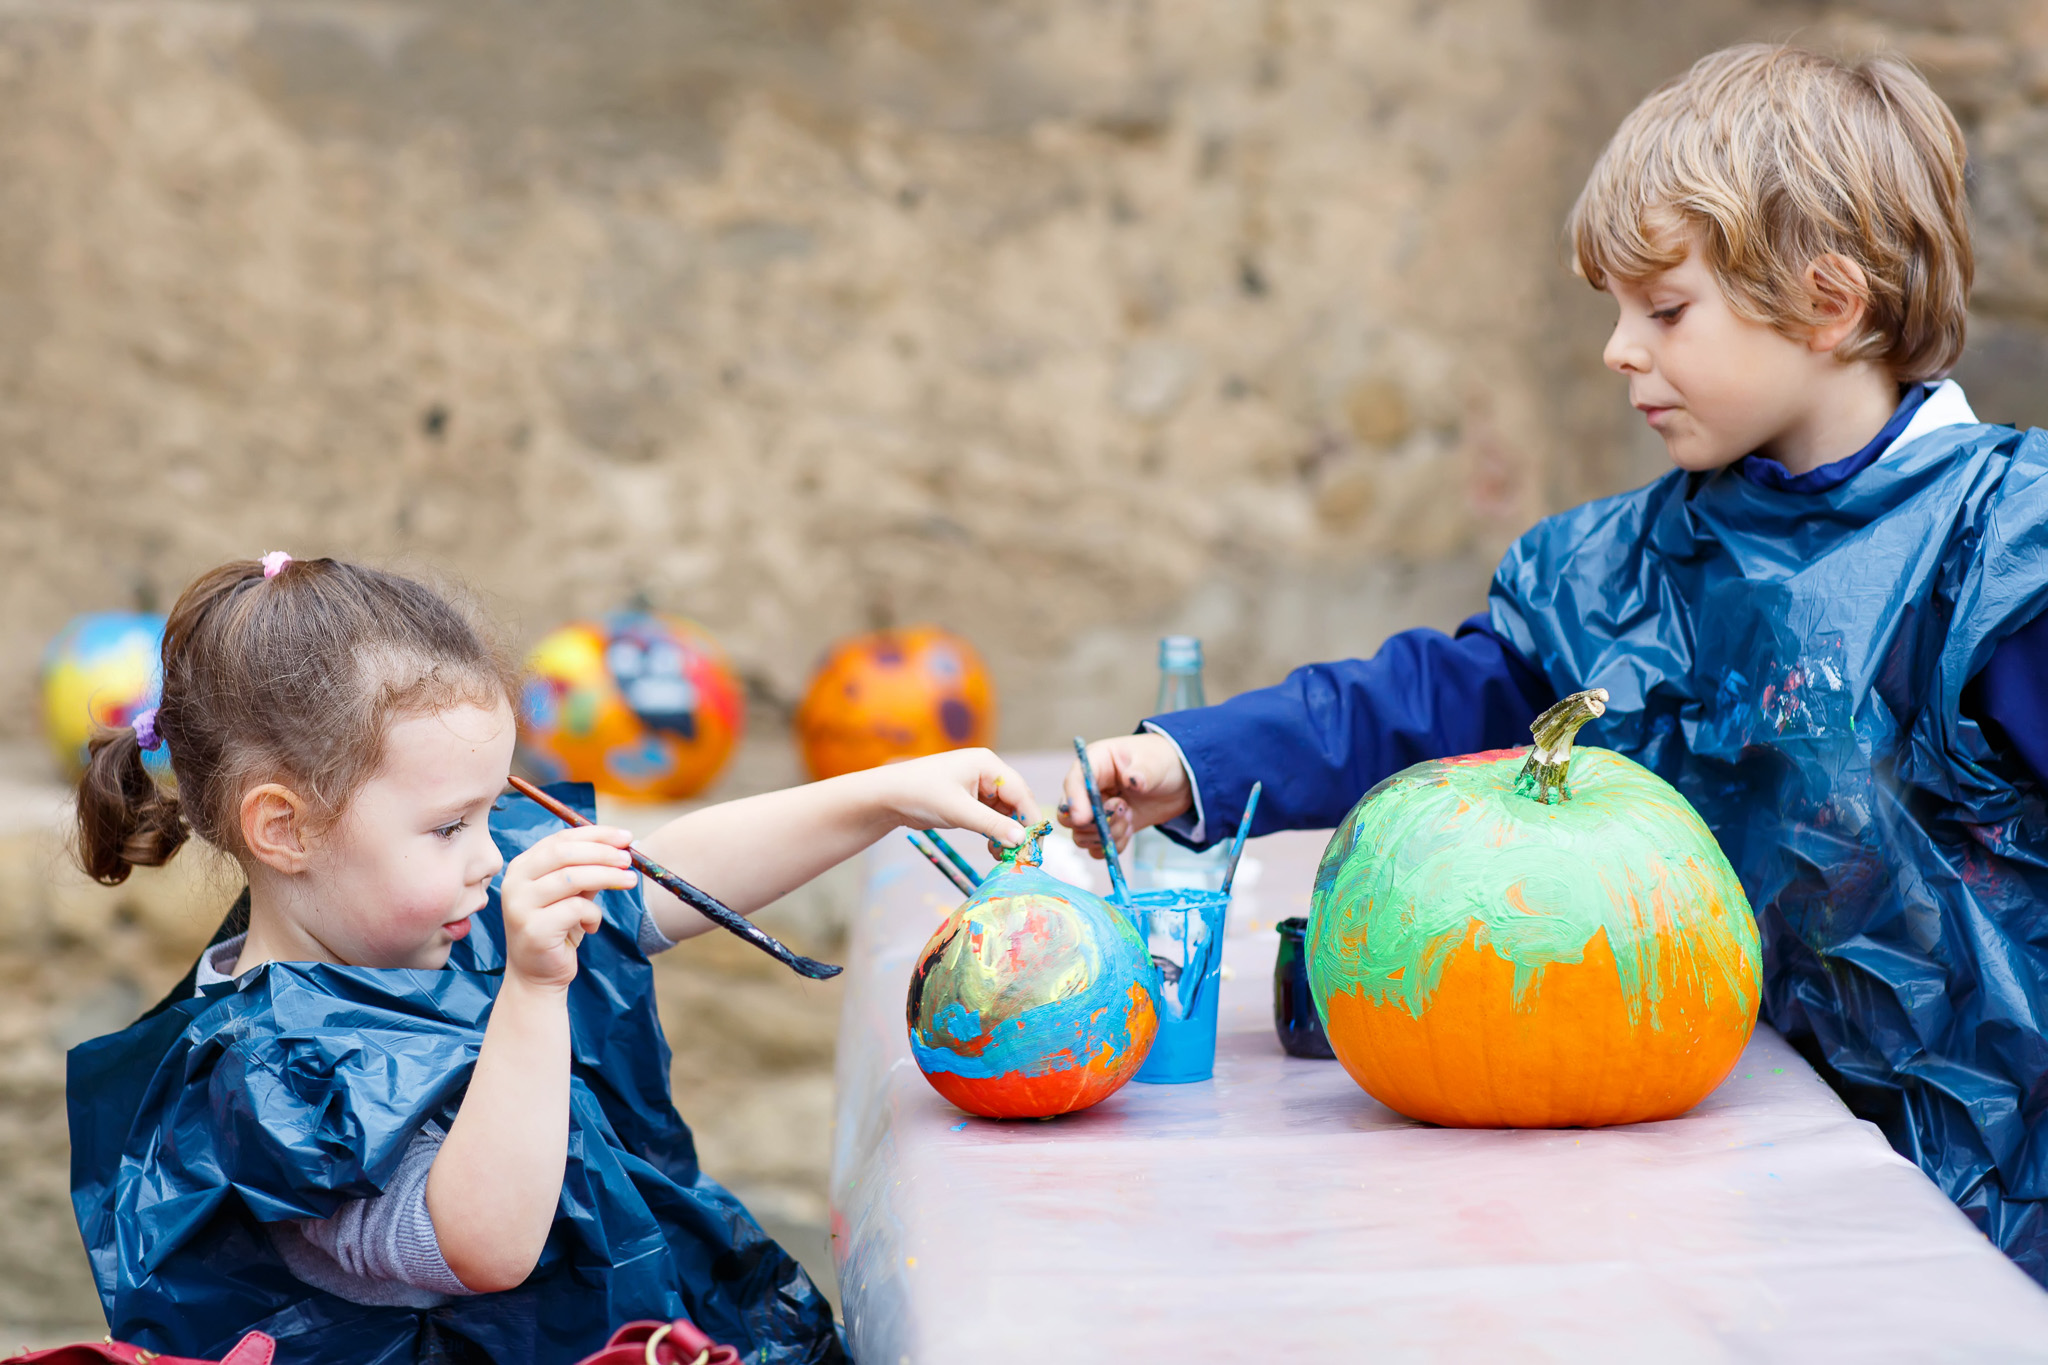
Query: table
x,y
1277,1213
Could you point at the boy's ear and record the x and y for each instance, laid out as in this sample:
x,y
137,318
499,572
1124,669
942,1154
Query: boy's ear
x,y
274,824
1840,294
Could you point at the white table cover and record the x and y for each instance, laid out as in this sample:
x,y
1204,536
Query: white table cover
x,y
1277,1213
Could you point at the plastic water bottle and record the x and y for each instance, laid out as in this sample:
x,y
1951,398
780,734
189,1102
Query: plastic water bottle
x,y
1156,861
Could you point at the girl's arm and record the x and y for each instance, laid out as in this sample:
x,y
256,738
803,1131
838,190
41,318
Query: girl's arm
x,y
751,852
497,1179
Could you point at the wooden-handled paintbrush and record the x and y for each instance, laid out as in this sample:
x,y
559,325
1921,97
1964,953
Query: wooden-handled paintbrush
x,y
709,906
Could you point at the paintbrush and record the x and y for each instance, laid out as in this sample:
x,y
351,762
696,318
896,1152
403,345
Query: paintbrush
x,y
1244,828
709,906
946,869
954,857
1116,867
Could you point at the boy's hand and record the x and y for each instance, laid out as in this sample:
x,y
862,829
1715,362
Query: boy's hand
x,y
963,789
549,900
1142,783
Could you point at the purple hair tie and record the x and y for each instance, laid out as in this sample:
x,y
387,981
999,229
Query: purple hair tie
x,y
274,562
145,729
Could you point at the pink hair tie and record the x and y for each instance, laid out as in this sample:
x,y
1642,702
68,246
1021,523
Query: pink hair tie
x,y
274,562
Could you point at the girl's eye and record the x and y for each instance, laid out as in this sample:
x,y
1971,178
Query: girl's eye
x,y
1670,314
449,831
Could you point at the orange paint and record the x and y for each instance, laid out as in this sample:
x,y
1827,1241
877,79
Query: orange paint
x,y
1567,1056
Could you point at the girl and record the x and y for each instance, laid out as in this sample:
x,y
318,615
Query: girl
x,y
407,1108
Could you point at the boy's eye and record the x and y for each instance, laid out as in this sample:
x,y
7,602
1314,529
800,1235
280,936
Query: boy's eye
x,y
451,829
1668,314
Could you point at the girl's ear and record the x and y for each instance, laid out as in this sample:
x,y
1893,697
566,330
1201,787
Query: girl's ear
x,y
1839,293
274,825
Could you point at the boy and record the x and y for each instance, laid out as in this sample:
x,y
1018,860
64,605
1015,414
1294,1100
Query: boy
x,y
1824,626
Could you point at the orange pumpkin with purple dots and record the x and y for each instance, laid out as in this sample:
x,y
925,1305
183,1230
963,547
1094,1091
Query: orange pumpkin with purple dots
x,y
894,694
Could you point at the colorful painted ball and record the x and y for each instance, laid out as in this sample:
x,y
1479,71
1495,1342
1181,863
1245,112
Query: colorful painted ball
x,y
639,705
1034,998
894,694
1484,958
103,669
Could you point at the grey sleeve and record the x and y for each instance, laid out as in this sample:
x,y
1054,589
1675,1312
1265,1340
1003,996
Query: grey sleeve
x,y
391,1237
652,940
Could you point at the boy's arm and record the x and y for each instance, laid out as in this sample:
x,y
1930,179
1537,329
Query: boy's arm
x,y
1321,739
2011,692
753,851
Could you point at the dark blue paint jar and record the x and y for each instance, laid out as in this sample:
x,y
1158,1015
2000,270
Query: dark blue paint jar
x,y
1294,1009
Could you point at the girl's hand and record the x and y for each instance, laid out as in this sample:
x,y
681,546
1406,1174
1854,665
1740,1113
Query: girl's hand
x,y
963,789
549,900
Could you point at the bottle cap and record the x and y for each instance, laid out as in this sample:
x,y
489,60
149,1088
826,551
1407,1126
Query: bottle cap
x,y
1180,654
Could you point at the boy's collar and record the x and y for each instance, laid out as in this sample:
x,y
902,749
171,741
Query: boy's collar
x,y
1922,408
1768,473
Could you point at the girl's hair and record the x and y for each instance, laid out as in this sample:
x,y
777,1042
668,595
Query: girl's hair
x,y
1773,157
293,678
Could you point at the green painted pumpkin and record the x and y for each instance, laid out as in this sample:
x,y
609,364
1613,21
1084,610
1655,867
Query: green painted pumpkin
x,y
1491,945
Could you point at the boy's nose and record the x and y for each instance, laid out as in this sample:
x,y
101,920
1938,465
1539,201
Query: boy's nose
x,y
1624,355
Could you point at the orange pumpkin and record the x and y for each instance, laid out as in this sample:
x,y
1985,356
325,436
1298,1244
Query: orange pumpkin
x,y
1483,956
894,694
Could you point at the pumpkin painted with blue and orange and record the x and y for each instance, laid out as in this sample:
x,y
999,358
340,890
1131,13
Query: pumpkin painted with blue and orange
x,y
1484,958
1034,998
894,694
640,704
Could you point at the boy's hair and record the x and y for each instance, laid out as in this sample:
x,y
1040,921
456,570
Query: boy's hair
x,y
294,679
1773,156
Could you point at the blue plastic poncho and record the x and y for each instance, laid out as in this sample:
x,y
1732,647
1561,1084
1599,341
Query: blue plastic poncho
x,y
1795,664
298,1087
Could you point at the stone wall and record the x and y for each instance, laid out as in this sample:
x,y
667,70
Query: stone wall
x,y
1061,324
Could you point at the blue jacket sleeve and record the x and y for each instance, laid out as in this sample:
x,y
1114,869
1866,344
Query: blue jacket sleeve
x,y
1331,731
2011,691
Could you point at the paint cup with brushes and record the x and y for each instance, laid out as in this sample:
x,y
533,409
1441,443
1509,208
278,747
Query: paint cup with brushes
x,y
1183,930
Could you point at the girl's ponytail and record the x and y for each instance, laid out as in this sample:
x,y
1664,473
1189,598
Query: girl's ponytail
x,y
125,820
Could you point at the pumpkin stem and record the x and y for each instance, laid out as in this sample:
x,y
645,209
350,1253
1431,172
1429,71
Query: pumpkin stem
x,y
1026,854
1550,761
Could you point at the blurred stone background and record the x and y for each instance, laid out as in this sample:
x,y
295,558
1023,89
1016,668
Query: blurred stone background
x,y
1060,324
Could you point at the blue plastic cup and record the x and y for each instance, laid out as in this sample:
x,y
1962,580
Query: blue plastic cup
x,y
1183,929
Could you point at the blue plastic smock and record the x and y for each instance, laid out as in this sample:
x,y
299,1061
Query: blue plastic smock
x,y
1795,663
297,1088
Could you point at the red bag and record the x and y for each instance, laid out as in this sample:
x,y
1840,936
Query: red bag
x,y
660,1343
254,1349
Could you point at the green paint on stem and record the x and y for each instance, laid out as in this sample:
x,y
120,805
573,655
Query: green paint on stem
x,y
1443,846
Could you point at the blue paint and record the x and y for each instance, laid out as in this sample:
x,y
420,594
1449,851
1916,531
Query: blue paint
x,y
1183,931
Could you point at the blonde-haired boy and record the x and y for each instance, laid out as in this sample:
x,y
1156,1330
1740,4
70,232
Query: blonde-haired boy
x,y
1824,626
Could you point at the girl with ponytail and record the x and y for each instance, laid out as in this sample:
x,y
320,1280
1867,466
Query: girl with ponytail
x,y
413,1102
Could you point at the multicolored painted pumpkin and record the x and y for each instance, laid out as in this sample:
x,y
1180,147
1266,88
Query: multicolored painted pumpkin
x,y
103,669
894,694
1034,998
1485,957
639,705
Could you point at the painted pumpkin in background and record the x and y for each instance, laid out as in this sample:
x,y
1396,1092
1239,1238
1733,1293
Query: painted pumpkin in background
x,y
1492,945
639,705
103,669
1034,998
894,694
